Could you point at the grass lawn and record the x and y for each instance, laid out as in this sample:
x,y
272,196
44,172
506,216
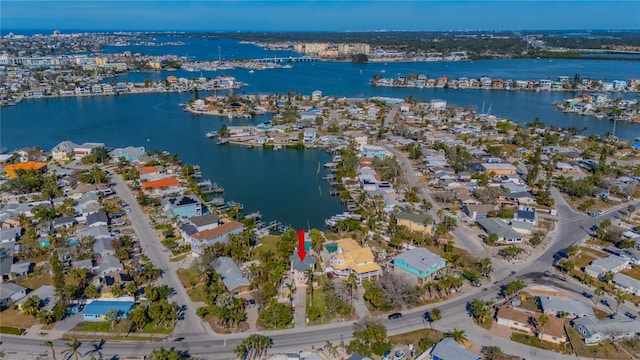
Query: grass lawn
x,y
592,252
34,282
15,318
197,294
582,260
634,272
529,303
600,243
122,327
187,277
319,302
269,242
533,340
179,257
602,351
600,314
9,330
414,337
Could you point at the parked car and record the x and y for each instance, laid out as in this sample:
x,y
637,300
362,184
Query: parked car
x,y
399,355
395,315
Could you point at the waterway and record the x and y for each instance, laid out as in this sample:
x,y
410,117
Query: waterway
x,y
283,184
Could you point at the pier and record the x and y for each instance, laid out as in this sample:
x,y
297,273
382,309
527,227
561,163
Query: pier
x,y
208,187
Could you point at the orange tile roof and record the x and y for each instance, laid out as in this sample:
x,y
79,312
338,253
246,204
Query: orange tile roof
x,y
217,231
157,184
29,165
148,170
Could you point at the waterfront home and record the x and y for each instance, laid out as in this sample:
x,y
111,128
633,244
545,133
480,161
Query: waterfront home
x,y
415,222
595,331
554,306
200,240
506,235
309,135
437,104
610,264
522,320
63,150
204,222
418,264
231,275
374,151
85,149
97,310
11,292
129,153
627,284
184,206
449,349
300,268
37,166
351,258
160,186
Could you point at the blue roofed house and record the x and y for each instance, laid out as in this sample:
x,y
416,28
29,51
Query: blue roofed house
x,y
129,153
374,151
231,275
185,206
418,264
97,310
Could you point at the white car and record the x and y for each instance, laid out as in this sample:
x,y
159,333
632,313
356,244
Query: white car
x,y
399,355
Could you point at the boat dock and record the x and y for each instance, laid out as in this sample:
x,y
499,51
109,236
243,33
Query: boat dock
x,y
208,187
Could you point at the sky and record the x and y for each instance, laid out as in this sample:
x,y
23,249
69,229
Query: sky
x,y
318,15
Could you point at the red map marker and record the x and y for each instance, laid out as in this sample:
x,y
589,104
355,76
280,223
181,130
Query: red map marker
x,y
301,252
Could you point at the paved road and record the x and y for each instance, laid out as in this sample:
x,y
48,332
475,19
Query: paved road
x,y
190,324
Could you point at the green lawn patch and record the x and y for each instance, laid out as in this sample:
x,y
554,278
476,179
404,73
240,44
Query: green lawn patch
x,y
34,282
269,242
414,337
179,257
533,340
10,330
582,260
94,326
197,294
187,277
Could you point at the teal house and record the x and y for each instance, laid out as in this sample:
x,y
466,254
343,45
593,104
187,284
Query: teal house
x,y
418,264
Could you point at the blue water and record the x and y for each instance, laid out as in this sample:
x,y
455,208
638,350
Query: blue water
x,y
283,184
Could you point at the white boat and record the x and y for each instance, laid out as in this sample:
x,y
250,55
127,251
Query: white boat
x,y
251,71
212,134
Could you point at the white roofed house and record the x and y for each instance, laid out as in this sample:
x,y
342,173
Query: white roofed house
x,y
596,331
11,292
612,264
554,305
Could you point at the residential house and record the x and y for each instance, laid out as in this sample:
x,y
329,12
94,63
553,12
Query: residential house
x,y
63,151
11,292
351,258
374,151
97,219
97,310
521,320
415,222
203,239
554,305
613,264
129,153
107,264
526,214
309,135
498,169
96,232
506,235
37,166
64,222
161,185
87,203
479,211
47,298
83,150
449,349
627,284
299,267
595,331
184,206
419,264
205,222
231,275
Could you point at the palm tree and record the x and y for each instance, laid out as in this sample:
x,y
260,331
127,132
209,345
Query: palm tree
x,y
72,349
598,293
457,335
49,344
542,321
